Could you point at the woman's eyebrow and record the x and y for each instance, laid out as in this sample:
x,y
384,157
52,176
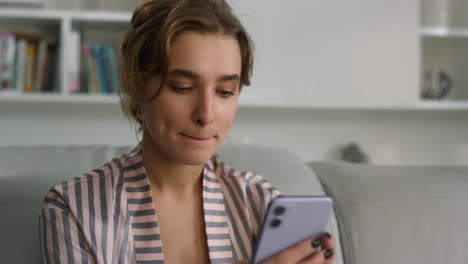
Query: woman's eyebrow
x,y
231,77
182,73
194,76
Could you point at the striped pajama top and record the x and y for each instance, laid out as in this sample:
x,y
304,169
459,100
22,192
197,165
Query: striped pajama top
x,y
107,215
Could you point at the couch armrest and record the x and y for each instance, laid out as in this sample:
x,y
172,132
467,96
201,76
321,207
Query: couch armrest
x,y
396,214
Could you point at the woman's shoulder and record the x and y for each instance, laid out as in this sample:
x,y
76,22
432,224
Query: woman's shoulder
x,y
251,180
244,190
92,183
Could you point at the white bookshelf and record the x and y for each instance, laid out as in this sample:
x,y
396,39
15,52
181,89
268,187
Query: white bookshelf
x,y
51,14
444,32
66,20
444,47
101,16
32,14
418,106
243,103
54,98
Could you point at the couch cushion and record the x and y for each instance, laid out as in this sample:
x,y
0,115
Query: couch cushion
x,y
392,214
284,169
26,173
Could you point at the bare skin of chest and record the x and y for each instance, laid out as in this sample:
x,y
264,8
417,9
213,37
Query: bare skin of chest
x,y
182,228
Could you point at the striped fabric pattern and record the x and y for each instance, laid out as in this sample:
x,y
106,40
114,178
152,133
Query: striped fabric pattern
x,y
107,215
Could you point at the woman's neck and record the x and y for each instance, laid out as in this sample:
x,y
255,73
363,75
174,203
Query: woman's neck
x,y
167,175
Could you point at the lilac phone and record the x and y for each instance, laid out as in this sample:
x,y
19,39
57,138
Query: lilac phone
x,y
289,220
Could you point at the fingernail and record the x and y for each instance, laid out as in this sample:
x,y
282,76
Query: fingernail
x,y
328,253
328,235
317,243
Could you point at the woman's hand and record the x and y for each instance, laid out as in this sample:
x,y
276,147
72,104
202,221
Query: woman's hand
x,y
303,252
323,246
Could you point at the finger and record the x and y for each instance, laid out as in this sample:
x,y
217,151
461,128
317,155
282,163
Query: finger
x,y
330,256
328,241
324,256
297,252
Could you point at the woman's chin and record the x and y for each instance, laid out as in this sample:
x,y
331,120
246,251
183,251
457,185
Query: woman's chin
x,y
194,158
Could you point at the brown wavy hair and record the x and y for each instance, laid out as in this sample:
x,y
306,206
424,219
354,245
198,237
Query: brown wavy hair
x,y
145,46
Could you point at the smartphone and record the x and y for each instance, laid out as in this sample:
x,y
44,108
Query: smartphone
x,y
289,220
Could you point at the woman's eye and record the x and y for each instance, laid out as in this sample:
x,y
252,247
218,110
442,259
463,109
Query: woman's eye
x,y
179,89
224,93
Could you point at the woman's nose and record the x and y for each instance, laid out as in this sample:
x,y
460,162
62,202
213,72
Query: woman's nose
x,y
203,111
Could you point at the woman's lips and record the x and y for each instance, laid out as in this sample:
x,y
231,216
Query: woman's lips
x,y
196,138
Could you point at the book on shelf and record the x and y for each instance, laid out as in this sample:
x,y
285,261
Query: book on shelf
x,y
95,47
98,69
20,61
106,69
90,82
113,67
7,60
51,80
28,63
74,62
30,67
40,65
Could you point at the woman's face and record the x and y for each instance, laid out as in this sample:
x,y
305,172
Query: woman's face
x,y
189,118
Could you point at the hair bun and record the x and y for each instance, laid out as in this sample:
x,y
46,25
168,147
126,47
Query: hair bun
x,y
146,11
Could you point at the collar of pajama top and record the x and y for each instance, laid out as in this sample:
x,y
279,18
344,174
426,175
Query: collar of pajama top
x,y
229,224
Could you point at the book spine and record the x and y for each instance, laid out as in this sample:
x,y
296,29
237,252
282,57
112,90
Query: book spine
x,y
44,72
88,69
7,60
113,67
99,67
93,78
20,65
41,57
3,51
51,83
74,73
106,69
30,66
84,81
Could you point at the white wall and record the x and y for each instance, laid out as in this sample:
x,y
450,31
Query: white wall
x,y
329,50
388,137
344,51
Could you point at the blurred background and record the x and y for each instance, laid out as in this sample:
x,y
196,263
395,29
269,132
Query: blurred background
x,y
378,81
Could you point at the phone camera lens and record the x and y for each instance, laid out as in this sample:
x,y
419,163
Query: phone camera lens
x,y
279,210
275,223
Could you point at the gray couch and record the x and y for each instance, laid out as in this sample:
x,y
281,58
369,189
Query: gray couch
x,y
383,214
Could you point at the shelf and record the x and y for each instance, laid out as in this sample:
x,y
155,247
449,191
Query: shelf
x,y
30,13
443,32
55,98
102,16
429,105
51,14
418,106
442,105
68,19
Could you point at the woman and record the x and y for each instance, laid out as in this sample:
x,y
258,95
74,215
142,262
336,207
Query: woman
x,y
171,199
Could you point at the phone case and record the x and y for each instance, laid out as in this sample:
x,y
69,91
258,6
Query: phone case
x,y
289,220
